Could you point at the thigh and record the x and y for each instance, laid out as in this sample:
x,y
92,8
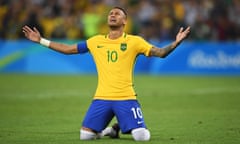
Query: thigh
x,y
129,115
98,115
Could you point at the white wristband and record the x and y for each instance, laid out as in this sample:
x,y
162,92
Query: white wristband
x,y
44,42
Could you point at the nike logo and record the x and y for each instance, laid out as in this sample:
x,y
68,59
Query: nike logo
x,y
140,122
100,46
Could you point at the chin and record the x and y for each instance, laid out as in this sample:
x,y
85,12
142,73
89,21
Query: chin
x,y
114,26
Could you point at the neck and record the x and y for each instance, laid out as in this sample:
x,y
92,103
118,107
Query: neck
x,y
114,34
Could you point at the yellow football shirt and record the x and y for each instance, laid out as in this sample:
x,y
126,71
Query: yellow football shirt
x,y
115,61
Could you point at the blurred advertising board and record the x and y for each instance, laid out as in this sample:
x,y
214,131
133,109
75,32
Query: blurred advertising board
x,y
190,58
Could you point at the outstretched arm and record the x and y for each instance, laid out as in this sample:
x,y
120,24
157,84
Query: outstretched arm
x,y
165,51
35,36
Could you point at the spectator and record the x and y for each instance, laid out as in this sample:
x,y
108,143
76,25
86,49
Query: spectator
x,y
156,20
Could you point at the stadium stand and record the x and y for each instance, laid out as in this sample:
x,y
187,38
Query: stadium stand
x,y
214,20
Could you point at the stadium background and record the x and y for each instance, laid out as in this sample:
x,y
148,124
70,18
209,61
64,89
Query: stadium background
x,y
212,48
191,97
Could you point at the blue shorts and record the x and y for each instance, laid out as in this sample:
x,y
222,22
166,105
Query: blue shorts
x,y
101,112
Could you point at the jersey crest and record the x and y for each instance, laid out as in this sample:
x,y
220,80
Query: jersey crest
x,y
123,46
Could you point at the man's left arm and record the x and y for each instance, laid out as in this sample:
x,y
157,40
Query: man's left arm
x,y
165,51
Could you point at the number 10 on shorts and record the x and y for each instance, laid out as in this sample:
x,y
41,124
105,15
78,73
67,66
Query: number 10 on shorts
x,y
137,113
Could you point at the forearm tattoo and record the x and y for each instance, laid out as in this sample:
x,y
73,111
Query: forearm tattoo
x,y
165,51
168,49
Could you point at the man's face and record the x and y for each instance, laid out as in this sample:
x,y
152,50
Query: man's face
x,y
116,18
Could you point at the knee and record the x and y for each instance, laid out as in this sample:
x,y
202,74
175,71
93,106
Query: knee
x,y
87,135
141,134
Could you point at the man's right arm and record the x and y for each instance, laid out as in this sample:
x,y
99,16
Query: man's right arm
x,y
34,35
63,48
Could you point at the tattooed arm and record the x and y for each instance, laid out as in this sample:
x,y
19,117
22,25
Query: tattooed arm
x,y
165,51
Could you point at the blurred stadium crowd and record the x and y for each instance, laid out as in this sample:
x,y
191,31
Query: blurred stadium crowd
x,y
214,20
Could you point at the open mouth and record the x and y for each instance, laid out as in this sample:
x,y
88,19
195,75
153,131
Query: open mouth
x,y
113,20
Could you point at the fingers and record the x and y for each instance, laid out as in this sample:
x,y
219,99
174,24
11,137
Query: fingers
x,y
187,29
28,32
180,30
27,29
36,30
182,34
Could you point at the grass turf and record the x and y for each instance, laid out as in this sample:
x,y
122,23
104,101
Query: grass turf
x,y
183,110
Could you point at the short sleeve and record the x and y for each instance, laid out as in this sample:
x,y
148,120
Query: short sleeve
x,y
143,46
82,47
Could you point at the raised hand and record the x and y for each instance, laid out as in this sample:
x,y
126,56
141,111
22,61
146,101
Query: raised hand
x,y
182,34
31,34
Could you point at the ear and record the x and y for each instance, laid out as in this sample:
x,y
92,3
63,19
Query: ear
x,y
125,21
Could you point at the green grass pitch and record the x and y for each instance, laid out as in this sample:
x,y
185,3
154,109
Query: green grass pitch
x,y
177,109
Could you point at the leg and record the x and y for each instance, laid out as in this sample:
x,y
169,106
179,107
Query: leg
x,y
131,119
112,132
97,118
87,134
141,134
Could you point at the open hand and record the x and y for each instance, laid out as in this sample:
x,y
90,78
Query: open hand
x,y
31,34
182,34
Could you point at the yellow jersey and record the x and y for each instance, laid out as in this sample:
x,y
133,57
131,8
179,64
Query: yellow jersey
x,y
115,61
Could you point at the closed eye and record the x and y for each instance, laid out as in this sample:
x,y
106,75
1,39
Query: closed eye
x,y
114,13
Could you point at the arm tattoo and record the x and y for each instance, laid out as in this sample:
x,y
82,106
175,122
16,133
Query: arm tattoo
x,y
168,49
163,52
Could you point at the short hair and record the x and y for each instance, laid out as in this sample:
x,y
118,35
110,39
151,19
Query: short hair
x,y
122,9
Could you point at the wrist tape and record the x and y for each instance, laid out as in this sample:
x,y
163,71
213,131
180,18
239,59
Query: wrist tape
x,y
45,42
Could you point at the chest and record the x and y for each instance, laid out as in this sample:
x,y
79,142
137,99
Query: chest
x,y
114,52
